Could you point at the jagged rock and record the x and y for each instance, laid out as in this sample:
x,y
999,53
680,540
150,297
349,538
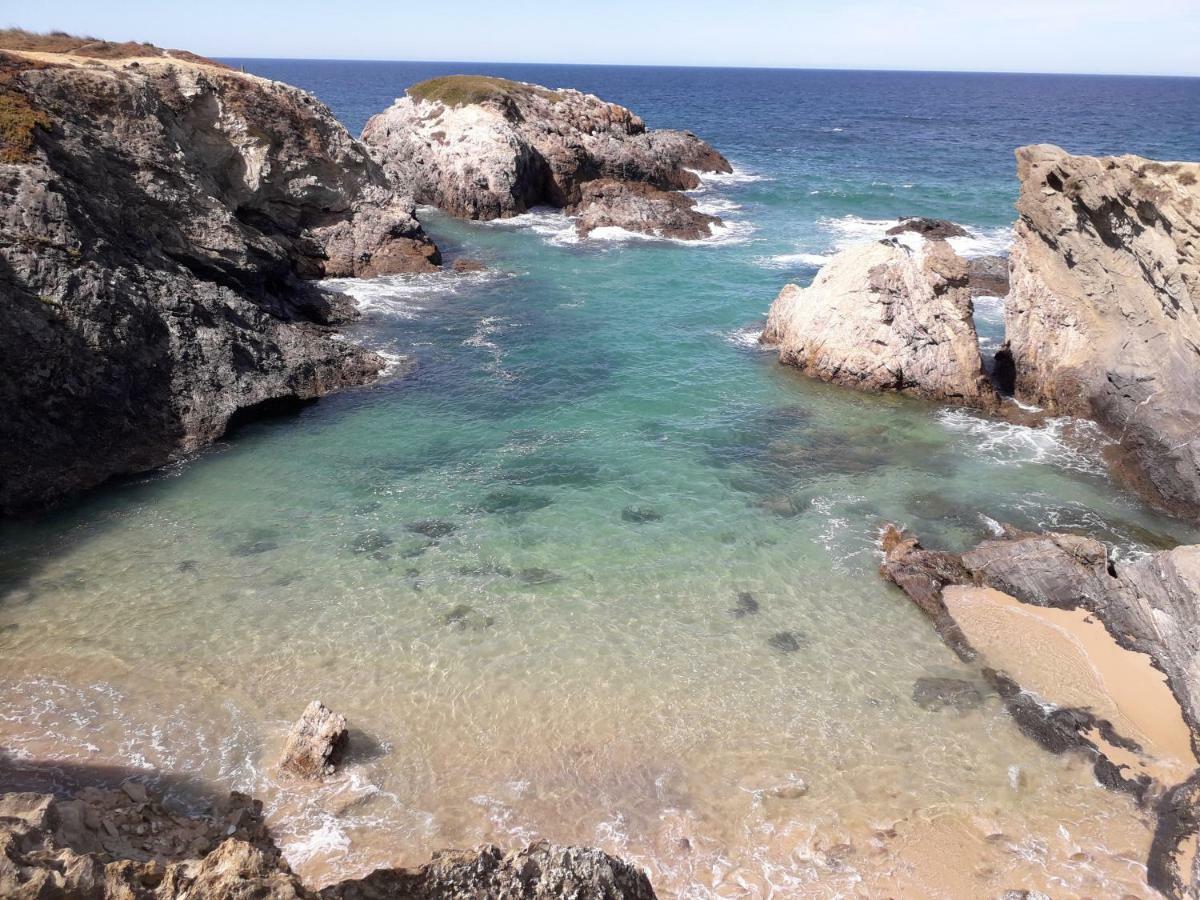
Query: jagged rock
x,y
886,316
933,229
643,208
315,743
1149,606
1103,319
44,857
158,229
485,148
541,871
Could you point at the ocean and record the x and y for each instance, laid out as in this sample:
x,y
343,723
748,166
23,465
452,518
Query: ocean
x,y
522,570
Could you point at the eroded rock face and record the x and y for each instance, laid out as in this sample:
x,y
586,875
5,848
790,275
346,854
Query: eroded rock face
x,y
643,208
156,240
1103,319
64,850
1149,615
486,148
315,743
886,316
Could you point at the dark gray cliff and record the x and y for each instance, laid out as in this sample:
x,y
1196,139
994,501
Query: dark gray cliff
x,y
161,222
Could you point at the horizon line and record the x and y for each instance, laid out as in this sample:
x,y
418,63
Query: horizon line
x,y
774,68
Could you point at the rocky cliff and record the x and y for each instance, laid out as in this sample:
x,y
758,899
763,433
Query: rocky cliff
x,y
160,224
123,845
1103,318
486,148
893,315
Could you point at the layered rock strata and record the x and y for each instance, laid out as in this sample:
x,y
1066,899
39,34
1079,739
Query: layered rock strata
x,y
160,223
893,315
485,148
1103,319
1087,655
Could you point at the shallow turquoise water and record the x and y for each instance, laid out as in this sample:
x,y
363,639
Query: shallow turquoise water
x,y
517,571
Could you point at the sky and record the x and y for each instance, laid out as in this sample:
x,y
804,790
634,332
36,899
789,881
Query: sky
x,y
1137,37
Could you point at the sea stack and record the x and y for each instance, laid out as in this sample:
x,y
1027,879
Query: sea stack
x,y
892,315
1103,319
161,221
484,148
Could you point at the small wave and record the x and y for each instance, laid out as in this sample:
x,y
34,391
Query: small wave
x,y
391,361
327,839
850,229
793,260
717,206
395,295
737,176
552,224
747,338
1064,442
720,235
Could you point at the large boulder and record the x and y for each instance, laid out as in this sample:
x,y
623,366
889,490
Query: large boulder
x,y
160,224
641,208
893,315
1103,319
315,743
485,148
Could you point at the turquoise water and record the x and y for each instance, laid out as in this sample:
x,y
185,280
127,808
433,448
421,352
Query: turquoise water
x,y
522,569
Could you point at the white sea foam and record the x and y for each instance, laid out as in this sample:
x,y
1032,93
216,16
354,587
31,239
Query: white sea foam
x,y
326,839
849,230
793,260
737,176
1064,442
747,337
400,295
717,206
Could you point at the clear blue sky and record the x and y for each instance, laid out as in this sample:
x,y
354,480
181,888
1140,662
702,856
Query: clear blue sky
x,y
1101,36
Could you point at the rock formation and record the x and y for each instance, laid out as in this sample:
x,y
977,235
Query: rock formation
x,y
315,742
894,315
1116,674
104,845
160,220
1103,319
637,206
486,148
933,229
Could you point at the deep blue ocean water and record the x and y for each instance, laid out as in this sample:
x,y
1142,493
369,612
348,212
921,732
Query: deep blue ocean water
x,y
520,570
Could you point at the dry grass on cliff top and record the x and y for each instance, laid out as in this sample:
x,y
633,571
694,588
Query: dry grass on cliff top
x,y
61,42
18,117
462,90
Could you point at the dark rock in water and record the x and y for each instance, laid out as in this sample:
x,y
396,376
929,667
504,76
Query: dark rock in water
x,y
746,605
639,514
538,576
463,264
483,570
367,507
412,572
253,548
642,208
511,501
315,743
188,565
432,528
786,641
371,542
462,617
934,229
934,693
415,551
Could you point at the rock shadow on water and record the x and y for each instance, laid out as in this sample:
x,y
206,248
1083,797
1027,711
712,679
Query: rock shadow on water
x,y
253,542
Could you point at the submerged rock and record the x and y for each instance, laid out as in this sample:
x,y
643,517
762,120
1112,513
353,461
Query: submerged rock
x,y
315,743
434,529
484,148
934,693
102,846
786,641
1103,319
746,605
639,514
886,317
159,230
463,617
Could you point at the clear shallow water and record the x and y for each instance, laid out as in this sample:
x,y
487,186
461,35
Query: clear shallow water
x,y
517,571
